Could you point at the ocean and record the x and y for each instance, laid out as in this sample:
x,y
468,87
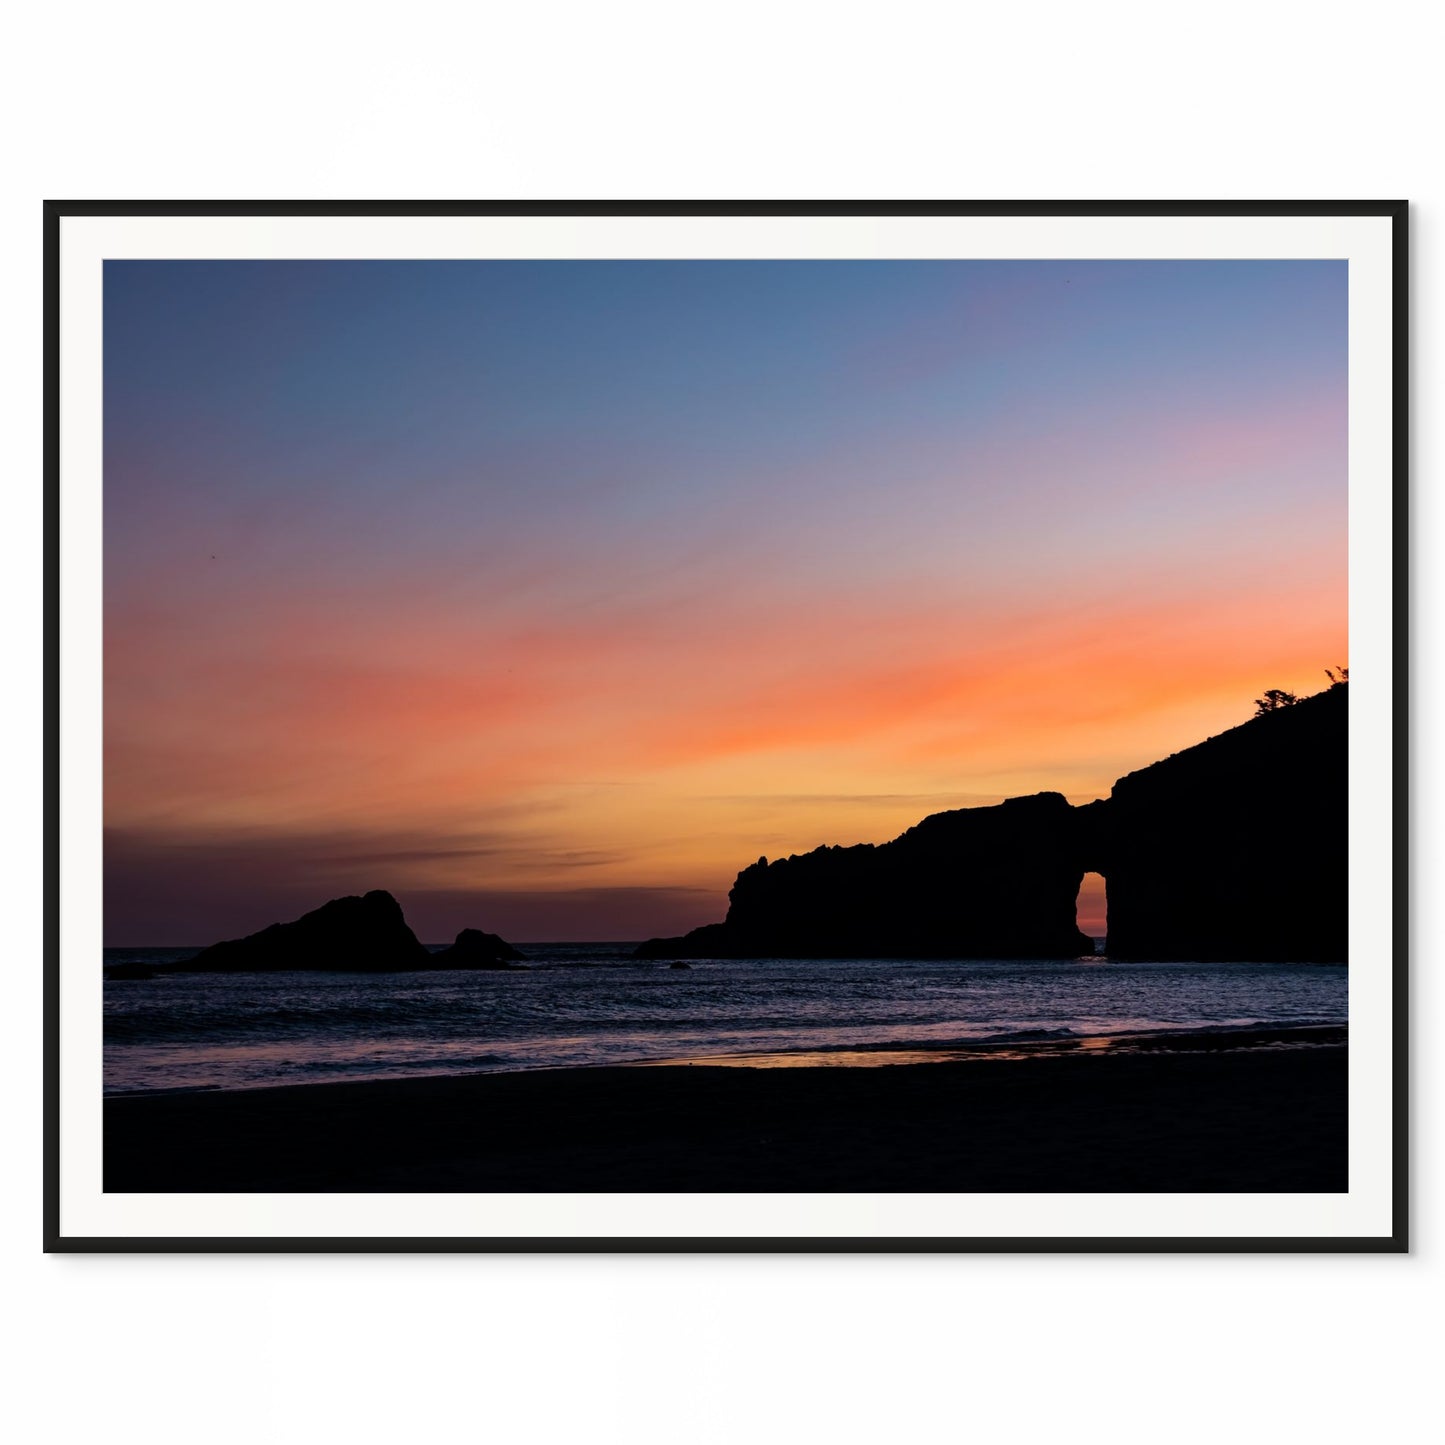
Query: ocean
x,y
590,1003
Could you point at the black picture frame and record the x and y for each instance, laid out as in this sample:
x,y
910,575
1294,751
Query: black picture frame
x,y
1396,211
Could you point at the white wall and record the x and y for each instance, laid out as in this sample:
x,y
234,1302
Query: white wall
x,y
749,99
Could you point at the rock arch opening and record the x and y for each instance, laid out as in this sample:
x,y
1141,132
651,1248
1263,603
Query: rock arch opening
x,y
1091,909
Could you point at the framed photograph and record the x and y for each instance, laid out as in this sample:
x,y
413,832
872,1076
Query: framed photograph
x,y
726,727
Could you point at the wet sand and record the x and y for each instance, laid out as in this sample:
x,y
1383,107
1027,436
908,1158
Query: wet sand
x,y
1183,1115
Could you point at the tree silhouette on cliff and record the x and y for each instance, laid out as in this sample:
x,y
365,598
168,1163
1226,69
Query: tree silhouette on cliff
x,y
1273,700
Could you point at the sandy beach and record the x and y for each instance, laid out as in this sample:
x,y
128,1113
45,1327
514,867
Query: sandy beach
x,y
1191,1114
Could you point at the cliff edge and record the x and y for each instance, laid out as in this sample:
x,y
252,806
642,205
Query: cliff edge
x,y
1234,849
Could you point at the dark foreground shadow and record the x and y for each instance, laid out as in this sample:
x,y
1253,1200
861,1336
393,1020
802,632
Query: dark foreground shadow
x,y
1263,1120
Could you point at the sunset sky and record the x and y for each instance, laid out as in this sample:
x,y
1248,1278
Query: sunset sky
x,y
547,595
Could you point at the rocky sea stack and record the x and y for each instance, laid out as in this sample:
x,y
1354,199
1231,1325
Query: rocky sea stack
x,y
475,949
367,934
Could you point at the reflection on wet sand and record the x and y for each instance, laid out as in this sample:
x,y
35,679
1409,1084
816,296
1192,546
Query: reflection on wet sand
x,y
1159,1041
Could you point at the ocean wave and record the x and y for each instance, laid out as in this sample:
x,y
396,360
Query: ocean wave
x,y
246,1030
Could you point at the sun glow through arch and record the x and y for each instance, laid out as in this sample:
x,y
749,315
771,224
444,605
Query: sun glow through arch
x,y
1092,908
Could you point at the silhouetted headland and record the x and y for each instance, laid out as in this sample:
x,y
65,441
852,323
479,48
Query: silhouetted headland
x,y
367,934
1234,849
